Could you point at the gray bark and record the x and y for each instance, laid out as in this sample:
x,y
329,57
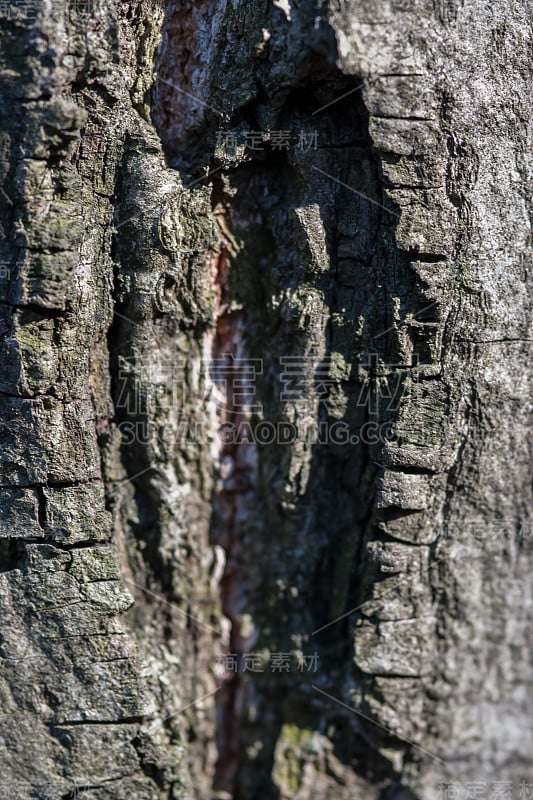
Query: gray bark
x,y
382,249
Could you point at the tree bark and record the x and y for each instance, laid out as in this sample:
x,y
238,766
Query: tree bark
x,y
266,392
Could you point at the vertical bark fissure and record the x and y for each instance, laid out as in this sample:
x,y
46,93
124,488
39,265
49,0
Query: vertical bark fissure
x,y
357,531
228,365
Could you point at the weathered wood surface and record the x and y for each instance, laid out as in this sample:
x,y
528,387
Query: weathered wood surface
x,y
345,187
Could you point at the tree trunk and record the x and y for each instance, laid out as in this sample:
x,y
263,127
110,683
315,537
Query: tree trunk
x,y
266,400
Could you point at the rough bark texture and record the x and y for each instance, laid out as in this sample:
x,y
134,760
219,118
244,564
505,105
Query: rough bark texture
x,y
391,263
